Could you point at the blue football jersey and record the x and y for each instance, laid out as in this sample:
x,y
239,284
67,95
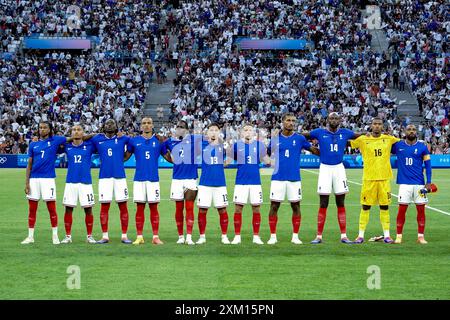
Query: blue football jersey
x,y
183,154
213,174
79,162
332,144
248,157
410,160
111,152
44,153
146,152
287,152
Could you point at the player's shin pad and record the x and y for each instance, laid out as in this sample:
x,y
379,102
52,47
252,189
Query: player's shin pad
x,y
363,219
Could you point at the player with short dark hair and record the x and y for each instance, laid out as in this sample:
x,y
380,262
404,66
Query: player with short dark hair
x,y
146,148
183,189
376,187
332,177
286,147
212,186
112,179
411,156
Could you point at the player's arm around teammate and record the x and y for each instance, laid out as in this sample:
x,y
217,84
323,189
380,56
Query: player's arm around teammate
x,y
40,178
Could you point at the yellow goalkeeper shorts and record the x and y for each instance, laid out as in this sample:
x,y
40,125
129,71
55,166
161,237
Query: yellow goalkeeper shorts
x,y
375,192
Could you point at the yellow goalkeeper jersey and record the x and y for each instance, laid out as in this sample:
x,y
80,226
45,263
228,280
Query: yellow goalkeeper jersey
x,y
376,153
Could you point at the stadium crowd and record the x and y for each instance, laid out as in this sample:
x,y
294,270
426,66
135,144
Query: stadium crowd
x,y
215,82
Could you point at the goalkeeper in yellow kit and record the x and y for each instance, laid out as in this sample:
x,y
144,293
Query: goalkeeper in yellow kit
x,y
377,173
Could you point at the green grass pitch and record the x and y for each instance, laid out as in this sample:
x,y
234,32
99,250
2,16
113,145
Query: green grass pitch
x,y
214,271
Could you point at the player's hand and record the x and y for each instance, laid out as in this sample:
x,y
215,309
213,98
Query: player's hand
x,y
428,187
35,139
27,189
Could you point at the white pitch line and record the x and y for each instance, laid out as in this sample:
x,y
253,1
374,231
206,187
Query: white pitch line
x,y
395,195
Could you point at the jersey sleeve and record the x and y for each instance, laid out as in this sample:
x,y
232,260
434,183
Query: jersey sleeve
x,y
394,139
130,146
60,140
163,148
95,139
314,133
355,144
394,148
30,149
349,134
305,143
425,153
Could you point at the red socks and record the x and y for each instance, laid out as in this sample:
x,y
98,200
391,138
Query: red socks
x,y
104,211
89,221
202,222
51,206
420,218
296,219
256,222
237,223
273,219
224,222
140,218
123,216
342,219
321,217
179,206
190,216
32,209
401,217
154,218
68,222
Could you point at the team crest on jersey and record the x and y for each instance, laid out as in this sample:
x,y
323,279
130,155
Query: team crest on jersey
x,y
415,151
153,144
116,140
84,147
293,143
340,136
48,143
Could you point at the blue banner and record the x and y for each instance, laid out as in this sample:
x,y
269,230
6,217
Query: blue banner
x,y
306,161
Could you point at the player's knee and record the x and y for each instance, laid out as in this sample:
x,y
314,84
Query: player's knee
x,y
222,210
340,200
238,209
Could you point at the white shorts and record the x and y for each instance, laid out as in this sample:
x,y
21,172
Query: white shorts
x,y
180,186
332,178
107,186
78,191
208,194
243,192
408,193
279,190
42,188
146,191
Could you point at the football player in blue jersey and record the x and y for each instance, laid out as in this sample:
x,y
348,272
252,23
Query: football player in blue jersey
x,y
147,148
412,155
40,177
183,189
248,152
78,182
285,149
212,186
112,179
333,141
